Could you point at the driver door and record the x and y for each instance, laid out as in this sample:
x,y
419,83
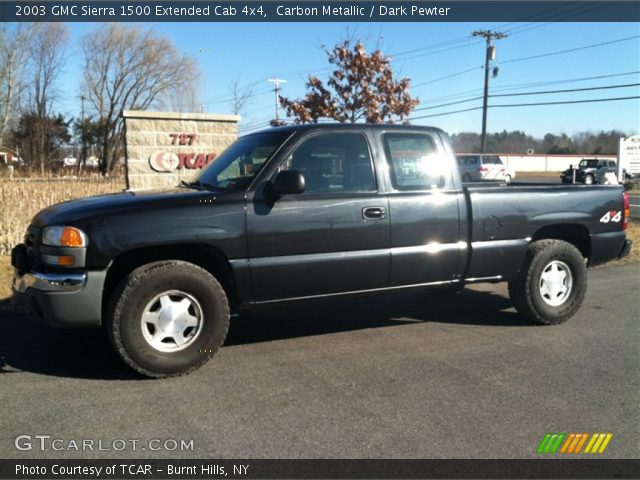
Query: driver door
x,y
332,238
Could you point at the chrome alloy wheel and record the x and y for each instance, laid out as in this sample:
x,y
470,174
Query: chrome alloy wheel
x,y
171,321
556,283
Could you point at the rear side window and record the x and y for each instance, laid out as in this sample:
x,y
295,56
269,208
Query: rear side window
x,y
491,161
414,161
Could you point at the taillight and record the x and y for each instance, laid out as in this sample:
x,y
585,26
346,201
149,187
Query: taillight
x,y
483,169
626,210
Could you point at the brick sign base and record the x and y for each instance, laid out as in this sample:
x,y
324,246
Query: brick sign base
x,y
163,148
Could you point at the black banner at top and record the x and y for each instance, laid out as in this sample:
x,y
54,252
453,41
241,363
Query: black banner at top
x,y
318,11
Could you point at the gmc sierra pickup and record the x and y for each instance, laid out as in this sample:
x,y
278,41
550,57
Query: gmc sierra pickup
x,y
302,212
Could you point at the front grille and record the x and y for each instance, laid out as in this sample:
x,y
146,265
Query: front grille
x,y
31,241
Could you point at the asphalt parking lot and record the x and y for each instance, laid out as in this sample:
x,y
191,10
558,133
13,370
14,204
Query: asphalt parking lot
x,y
404,376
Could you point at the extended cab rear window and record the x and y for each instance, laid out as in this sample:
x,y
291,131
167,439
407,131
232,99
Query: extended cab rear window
x,y
414,161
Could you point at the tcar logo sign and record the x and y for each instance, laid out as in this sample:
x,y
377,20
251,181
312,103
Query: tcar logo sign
x,y
164,162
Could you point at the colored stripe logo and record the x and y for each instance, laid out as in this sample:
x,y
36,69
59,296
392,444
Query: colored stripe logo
x,y
573,443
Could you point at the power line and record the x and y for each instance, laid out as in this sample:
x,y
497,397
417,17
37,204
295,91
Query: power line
x,y
531,85
546,92
560,52
230,99
573,12
446,113
447,104
572,9
567,80
563,102
446,77
605,87
466,42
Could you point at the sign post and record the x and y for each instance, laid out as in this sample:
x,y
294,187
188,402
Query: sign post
x,y
628,156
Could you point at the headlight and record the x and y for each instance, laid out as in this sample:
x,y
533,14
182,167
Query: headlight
x,y
64,237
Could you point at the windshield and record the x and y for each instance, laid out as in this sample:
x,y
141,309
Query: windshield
x,y
238,165
588,163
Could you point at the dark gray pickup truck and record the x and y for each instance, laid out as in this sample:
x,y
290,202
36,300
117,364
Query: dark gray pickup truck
x,y
303,212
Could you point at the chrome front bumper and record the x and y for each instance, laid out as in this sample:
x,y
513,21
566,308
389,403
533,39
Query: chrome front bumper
x,y
49,282
61,299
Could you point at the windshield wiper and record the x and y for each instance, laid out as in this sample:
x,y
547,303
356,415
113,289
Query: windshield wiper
x,y
197,184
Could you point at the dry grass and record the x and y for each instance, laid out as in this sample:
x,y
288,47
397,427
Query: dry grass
x,y
6,273
633,233
21,199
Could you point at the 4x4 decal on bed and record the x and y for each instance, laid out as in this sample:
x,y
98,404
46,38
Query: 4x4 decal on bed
x,y
612,216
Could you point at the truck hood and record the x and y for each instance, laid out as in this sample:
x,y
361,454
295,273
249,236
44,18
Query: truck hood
x,y
73,211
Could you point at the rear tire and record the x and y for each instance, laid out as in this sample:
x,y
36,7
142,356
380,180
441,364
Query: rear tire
x,y
552,283
168,318
507,178
466,178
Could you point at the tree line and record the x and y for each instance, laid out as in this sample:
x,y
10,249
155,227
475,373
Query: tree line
x,y
123,68
586,143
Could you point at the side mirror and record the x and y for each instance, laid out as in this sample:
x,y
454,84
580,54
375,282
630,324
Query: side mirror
x,y
287,182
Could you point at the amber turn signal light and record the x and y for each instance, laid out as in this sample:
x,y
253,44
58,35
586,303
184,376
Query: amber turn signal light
x,y
71,237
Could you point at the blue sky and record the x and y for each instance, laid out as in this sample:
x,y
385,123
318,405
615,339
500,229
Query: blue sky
x,y
253,52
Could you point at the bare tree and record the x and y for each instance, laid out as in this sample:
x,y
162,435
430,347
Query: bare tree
x,y
13,50
127,68
47,48
362,87
240,95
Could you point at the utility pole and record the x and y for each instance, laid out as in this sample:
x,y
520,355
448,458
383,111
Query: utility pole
x,y
83,155
277,81
490,55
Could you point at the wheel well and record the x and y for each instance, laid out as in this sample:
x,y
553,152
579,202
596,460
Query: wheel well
x,y
207,257
576,235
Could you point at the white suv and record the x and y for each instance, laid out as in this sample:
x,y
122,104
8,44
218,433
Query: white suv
x,y
475,167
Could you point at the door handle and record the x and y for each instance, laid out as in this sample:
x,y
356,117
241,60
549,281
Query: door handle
x,y
373,213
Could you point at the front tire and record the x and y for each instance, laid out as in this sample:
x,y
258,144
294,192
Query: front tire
x,y
168,318
588,180
552,283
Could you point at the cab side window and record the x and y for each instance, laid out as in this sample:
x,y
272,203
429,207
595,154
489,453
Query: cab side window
x,y
414,162
333,163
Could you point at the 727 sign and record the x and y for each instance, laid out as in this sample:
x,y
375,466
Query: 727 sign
x,y
612,216
182,138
